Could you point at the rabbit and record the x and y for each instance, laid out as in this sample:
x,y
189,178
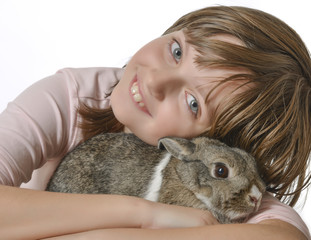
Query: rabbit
x,y
201,172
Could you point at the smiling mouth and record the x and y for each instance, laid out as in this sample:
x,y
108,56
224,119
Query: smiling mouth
x,y
137,95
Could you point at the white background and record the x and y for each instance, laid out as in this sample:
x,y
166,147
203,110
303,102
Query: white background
x,y
38,37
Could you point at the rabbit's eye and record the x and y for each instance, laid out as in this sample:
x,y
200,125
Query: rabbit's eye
x,y
221,171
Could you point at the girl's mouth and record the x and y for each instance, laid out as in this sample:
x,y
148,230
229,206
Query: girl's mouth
x,y
138,96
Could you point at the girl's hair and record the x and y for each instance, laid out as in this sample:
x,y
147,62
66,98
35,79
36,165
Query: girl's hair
x,y
271,120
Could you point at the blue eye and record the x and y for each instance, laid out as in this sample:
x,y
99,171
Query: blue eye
x,y
192,103
176,51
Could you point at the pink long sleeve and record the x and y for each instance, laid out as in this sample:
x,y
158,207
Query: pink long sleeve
x,y
39,127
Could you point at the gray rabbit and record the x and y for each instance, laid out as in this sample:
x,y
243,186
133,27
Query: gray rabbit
x,y
201,173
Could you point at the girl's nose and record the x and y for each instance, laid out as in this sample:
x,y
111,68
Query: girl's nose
x,y
160,84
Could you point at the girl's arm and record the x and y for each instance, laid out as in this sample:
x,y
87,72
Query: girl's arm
x,y
268,230
29,214
273,219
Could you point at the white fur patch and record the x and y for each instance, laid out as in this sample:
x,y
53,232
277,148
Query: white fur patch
x,y
152,193
230,214
204,200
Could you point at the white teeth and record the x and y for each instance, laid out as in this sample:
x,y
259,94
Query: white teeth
x,y
134,89
136,95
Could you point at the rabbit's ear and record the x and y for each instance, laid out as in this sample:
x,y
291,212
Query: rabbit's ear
x,y
178,147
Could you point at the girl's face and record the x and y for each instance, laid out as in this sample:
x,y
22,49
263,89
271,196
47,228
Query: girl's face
x,y
163,92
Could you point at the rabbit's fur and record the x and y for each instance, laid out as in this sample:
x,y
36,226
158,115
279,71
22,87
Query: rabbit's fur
x,y
182,172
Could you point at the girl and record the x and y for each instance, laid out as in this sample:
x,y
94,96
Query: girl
x,y
232,73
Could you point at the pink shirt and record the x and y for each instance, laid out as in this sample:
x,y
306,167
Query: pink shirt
x,y
40,126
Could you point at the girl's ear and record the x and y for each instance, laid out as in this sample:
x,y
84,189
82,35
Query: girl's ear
x,y
179,147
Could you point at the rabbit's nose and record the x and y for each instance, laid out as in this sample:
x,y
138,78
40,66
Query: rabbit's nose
x,y
255,196
253,199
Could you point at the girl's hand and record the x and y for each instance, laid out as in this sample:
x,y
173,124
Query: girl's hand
x,y
161,215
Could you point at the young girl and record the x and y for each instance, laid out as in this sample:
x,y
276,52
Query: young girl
x,y
232,73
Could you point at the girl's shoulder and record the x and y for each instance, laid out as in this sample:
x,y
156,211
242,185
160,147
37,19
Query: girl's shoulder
x,y
272,208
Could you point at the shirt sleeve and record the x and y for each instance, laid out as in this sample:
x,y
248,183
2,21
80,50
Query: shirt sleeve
x,y
272,208
40,125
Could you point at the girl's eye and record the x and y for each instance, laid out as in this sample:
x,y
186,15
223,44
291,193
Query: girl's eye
x,y
192,103
176,51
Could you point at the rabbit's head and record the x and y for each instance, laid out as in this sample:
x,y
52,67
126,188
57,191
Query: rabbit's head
x,y
224,179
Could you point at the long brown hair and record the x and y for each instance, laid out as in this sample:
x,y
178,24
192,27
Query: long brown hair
x,y
272,119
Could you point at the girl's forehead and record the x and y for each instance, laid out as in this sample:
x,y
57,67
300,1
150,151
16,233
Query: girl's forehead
x,y
210,83
207,77
210,76
207,73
